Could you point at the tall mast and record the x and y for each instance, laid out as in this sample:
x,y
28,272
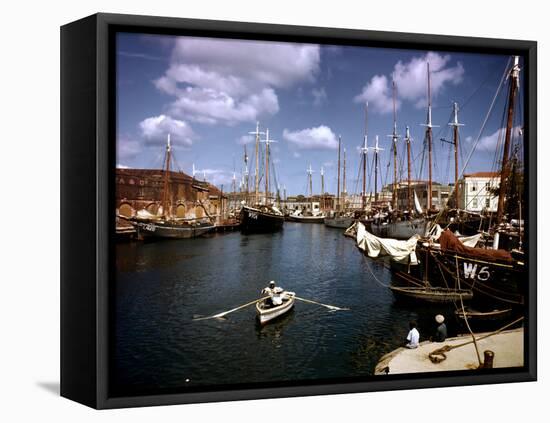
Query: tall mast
x,y
409,188
257,155
322,188
505,172
394,137
246,174
338,181
267,142
429,127
376,150
165,193
455,126
344,180
309,173
364,151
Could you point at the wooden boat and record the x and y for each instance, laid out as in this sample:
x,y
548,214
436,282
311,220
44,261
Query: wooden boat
x,y
494,275
423,291
172,229
339,218
149,226
267,312
432,294
261,219
399,230
306,219
340,222
476,315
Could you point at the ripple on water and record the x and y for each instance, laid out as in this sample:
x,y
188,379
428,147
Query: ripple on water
x,y
160,287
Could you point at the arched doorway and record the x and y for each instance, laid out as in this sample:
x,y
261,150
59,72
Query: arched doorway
x,y
152,208
125,209
180,210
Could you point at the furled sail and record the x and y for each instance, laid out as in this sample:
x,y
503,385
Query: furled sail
x,y
399,251
436,230
417,204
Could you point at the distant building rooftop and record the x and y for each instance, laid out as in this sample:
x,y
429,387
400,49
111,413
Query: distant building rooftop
x,y
482,175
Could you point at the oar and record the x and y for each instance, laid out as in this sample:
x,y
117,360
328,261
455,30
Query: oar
x,y
330,307
225,313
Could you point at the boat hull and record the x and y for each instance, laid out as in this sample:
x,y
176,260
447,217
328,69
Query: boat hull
x,y
257,221
266,315
399,230
167,230
338,222
492,281
487,316
306,219
431,295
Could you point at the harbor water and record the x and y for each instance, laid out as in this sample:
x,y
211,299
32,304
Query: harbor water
x,y
160,286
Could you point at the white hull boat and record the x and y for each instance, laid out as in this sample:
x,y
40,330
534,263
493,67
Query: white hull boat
x,y
267,312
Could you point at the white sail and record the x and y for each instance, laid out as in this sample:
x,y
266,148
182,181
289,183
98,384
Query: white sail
x,y
417,204
399,251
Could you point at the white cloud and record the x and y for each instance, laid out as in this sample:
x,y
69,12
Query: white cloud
x,y
320,137
232,81
296,155
217,177
411,82
122,166
319,96
378,94
155,130
490,142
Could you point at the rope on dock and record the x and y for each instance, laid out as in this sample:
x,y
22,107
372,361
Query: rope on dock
x,y
438,355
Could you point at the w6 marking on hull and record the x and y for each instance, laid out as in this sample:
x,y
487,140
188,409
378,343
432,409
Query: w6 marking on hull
x,y
470,271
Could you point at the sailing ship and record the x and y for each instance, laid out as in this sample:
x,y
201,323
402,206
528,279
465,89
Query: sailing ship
x,y
311,215
339,218
497,276
164,225
396,224
261,217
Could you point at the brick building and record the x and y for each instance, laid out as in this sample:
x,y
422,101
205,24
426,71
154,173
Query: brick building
x,y
138,189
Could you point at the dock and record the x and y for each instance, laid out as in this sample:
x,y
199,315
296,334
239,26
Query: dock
x,y
507,347
227,226
125,233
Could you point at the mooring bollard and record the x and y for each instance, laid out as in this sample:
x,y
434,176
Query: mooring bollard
x,y
488,358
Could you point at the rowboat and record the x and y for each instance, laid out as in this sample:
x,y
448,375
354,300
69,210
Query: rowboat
x,y
432,294
267,312
483,315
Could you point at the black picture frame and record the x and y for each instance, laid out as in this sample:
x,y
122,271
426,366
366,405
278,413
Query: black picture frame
x,y
87,166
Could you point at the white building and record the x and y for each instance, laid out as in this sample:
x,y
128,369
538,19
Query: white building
x,y
477,191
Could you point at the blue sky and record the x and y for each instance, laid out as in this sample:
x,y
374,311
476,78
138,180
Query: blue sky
x,y
209,94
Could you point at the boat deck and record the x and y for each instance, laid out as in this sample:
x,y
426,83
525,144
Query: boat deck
x,y
507,346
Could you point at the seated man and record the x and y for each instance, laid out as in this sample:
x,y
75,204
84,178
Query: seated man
x,y
413,337
274,292
441,331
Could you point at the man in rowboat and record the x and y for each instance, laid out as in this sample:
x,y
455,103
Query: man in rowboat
x,y
274,293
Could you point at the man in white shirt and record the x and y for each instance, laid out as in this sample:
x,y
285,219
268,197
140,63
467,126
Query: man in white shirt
x,y
413,337
274,292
